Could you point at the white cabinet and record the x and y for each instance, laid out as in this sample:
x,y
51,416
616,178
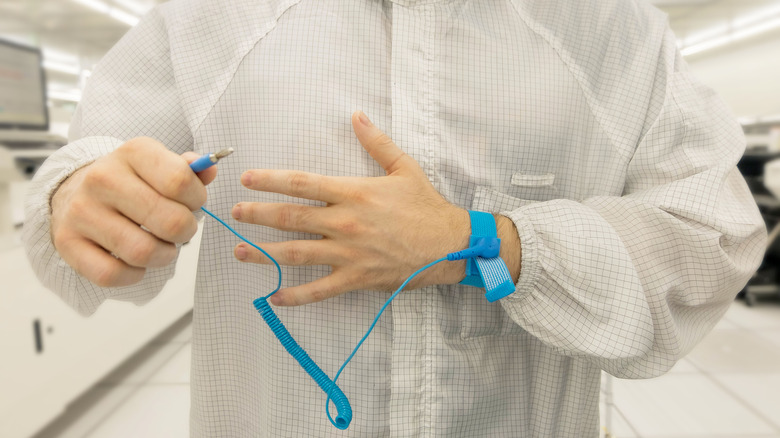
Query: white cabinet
x,y
49,354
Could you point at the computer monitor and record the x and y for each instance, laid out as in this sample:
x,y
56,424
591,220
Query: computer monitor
x,y
22,88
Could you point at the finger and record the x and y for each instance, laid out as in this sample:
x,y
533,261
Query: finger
x,y
290,253
318,290
166,219
166,172
285,217
206,176
294,183
380,146
96,265
120,236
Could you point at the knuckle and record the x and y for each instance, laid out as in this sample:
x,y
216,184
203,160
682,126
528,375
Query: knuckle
x,y
359,276
318,295
98,176
140,253
358,196
295,255
298,182
140,143
352,255
107,276
131,146
381,139
179,227
61,239
377,139
78,206
178,183
348,227
286,217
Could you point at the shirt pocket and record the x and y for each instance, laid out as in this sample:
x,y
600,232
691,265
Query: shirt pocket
x,y
522,179
478,317
533,186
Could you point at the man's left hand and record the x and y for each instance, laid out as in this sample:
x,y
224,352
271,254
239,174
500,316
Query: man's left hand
x,y
375,231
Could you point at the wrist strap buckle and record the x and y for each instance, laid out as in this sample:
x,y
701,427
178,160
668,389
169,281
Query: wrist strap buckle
x,y
488,272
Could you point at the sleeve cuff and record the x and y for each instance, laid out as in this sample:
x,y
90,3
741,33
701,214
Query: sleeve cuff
x,y
62,164
529,267
36,234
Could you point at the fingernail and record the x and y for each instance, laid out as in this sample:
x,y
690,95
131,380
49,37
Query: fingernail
x,y
364,119
246,178
241,252
276,300
236,212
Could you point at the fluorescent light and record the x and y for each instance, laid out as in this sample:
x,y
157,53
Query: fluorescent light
x,y
748,19
706,34
677,2
706,45
732,37
742,27
125,17
55,55
755,30
111,11
62,67
68,96
134,6
95,5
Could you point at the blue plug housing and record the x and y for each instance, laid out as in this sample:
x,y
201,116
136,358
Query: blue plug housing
x,y
485,247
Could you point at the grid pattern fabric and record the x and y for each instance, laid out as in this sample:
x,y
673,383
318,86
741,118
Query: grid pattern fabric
x,y
576,119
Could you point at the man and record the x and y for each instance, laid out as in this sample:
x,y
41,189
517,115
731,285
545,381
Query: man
x,y
625,224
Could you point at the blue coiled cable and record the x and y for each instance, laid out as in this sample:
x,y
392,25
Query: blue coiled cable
x,y
344,417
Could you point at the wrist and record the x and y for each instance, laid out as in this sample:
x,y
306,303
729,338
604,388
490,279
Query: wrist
x,y
511,247
459,231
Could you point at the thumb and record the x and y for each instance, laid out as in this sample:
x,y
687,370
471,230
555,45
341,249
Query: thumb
x,y
380,146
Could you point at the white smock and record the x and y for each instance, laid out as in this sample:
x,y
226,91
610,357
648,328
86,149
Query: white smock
x,y
576,119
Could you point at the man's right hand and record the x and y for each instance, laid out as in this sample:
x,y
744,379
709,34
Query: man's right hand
x,y
98,211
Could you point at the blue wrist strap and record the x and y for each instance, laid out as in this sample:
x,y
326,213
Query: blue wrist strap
x,y
490,273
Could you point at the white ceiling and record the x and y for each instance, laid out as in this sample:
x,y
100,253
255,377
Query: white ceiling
x,y
65,25
72,27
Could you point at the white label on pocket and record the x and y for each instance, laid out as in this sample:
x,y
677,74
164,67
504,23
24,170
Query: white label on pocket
x,y
529,180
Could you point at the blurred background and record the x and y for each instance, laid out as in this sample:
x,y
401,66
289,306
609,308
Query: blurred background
x,y
125,371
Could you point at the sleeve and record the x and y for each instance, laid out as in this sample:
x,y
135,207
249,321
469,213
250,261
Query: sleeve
x,y
131,93
635,282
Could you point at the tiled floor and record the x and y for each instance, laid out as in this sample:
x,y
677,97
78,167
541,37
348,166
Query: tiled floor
x,y
728,387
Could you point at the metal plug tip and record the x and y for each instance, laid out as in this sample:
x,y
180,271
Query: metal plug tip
x,y
224,153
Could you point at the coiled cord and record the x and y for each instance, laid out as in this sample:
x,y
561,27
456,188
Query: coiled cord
x,y
344,416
